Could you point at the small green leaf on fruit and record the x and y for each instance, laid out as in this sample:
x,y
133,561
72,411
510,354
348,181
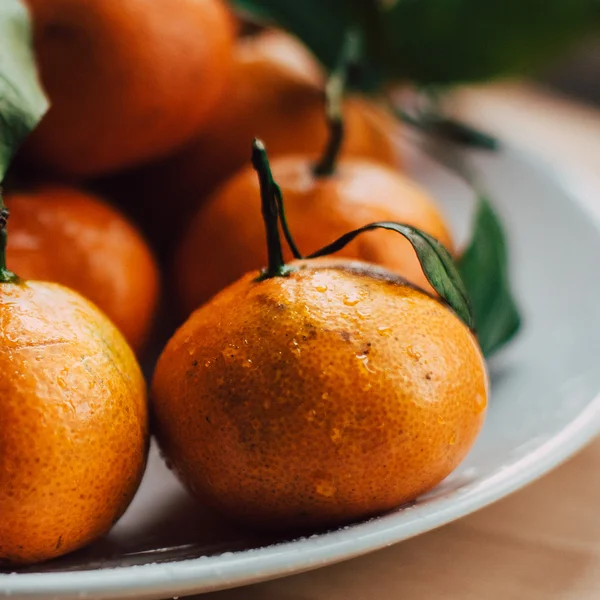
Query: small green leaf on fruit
x,y
436,262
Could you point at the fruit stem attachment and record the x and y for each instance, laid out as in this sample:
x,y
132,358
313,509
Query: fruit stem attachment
x,y
270,203
6,276
334,96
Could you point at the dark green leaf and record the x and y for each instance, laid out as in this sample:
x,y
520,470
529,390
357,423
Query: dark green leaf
x,y
437,264
484,270
437,41
22,101
465,134
322,25
453,41
450,129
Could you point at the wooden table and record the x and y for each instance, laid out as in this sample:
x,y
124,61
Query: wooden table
x,y
542,543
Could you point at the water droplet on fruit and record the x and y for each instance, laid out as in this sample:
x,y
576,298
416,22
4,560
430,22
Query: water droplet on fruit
x,y
351,299
385,330
363,314
324,395
480,403
441,420
413,353
364,362
336,435
452,440
230,353
247,364
311,415
207,363
321,287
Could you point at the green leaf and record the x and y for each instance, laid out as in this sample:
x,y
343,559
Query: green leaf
x,y
22,101
441,42
484,270
322,25
452,41
449,129
437,264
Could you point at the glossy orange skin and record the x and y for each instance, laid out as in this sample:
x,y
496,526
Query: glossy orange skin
x,y
333,394
61,234
126,82
74,434
226,238
275,93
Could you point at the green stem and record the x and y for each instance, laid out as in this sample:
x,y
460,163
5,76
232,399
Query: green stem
x,y
276,266
334,97
284,224
335,123
6,276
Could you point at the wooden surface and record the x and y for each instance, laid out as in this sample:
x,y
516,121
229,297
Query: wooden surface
x,y
542,543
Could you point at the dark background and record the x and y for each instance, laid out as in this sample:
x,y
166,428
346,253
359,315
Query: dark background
x,y
578,74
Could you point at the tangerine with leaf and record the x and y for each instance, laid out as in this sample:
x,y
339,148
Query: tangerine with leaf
x,y
318,392
324,199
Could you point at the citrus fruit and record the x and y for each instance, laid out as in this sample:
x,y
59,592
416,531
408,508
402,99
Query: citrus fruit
x,y
320,392
275,92
334,393
74,429
68,236
127,81
225,238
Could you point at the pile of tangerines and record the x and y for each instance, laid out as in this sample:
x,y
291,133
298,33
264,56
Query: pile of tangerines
x,y
300,392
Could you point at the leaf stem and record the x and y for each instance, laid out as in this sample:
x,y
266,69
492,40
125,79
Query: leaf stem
x,y
436,262
276,266
6,276
334,96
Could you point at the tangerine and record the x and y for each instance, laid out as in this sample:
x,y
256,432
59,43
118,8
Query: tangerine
x,y
126,82
335,393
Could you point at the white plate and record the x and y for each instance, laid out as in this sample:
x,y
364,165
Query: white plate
x,y
545,406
